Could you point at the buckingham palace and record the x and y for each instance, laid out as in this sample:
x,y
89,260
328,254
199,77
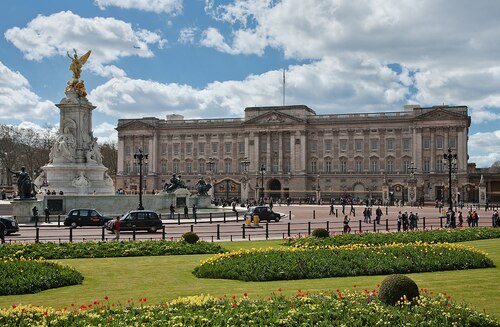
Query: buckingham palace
x,y
290,151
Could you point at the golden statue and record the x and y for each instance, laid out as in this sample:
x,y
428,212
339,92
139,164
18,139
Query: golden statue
x,y
77,63
76,67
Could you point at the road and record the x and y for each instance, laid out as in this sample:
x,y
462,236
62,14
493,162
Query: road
x,y
297,220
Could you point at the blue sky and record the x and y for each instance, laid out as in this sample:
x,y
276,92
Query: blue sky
x,y
209,58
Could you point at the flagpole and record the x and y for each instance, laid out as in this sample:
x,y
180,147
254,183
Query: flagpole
x,y
284,84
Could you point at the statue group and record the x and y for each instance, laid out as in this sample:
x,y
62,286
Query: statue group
x,y
175,184
25,186
202,186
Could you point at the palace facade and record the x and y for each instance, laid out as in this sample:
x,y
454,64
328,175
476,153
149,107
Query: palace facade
x,y
290,151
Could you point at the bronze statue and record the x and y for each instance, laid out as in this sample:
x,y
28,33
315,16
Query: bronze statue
x,y
175,183
77,63
202,186
25,187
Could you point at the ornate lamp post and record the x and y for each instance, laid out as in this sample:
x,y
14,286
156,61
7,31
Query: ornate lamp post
x,y
262,172
450,159
139,159
412,184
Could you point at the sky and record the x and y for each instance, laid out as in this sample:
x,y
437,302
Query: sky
x,y
211,59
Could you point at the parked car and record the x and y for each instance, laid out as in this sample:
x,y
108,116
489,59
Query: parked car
x,y
85,217
11,225
140,219
265,213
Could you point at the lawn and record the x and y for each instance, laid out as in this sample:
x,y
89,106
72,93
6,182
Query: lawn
x,y
163,278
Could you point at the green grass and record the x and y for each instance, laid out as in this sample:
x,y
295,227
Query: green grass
x,y
164,278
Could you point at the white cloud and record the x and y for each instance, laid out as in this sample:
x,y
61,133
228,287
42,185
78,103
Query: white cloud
x,y
486,147
172,7
110,39
18,101
187,35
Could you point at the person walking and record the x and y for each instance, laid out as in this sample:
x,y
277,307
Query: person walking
x,y
116,228
399,220
194,211
186,211
35,214
378,215
47,215
331,209
172,211
347,228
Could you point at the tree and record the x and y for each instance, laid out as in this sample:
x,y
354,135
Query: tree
x,y
109,153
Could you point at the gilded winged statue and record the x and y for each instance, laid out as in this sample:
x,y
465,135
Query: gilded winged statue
x,y
77,63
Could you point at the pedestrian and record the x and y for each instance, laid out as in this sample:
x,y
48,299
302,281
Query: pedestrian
x,y
413,220
172,211
331,209
2,232
399,221
353,211
347,228
475,219
116,228
378,214
496,219
35,214
460,219
405,221
47,215
186,211
194,211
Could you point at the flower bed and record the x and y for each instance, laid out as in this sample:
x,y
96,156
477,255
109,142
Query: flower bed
x,y
438,235
339,261
23,276
106,249
334,309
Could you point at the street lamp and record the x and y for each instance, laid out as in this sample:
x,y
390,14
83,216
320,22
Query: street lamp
x,y
245,163
139,159
450,159
262,172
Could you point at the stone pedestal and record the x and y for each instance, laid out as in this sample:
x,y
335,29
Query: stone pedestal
x,y
385,194
482,195
75,161
22,210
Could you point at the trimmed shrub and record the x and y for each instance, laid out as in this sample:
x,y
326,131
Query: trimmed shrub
x,y
394,287
190,237
320,233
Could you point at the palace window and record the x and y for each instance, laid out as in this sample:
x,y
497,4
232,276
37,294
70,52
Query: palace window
x,y
374,166
343,145
241,147
228,146
439,165
439,142
189,148
427,143
176,167
313,166
427,166
390,166
343,166
358,166
227,166
201,167
177,147
189,167
163,167
215,147
358,144
374,145
390,144
328,166
406,145
164,148
201,148
328,145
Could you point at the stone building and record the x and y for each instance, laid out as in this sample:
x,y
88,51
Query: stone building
x,y
293,152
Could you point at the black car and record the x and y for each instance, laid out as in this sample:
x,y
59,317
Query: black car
x,y
85,217
140,220
265,213
10,224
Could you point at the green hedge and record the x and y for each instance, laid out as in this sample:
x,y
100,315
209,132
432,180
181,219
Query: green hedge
x,y
32,276
340,261
333,309
106,249
437,235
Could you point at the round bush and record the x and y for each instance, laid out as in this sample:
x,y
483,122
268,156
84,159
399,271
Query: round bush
x,y
394,287
320,233
190,237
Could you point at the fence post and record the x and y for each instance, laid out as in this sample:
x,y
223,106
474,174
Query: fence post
x,y
163,232
337,213
308,228
423,222
58,220
224,216
387,225
191,228
267,230
289,214
237,220
37,235
133,232
360,229
441,222
178,219
71,234
243,231
314,214
386,210
210,217
289,229
374,226
195,219
218,231
103,230
328,226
